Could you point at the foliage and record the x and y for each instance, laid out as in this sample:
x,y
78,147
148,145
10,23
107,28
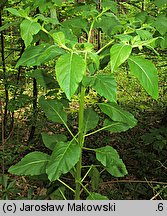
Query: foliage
x,y
49,36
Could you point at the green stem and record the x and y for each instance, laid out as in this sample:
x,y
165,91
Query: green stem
x,y
80,142
66,185
108,44
96,131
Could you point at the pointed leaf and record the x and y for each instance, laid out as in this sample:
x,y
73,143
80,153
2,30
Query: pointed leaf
x,y
146,72
59,38
161,3
50,53
115,127
63,158
105,85
33,163
53,110
50,141
91,119
110,159
94,174
58,194
44,79
118,55
28,29
116,113
70,69
96,196
109,23
14,12
31,55
161,24
37,55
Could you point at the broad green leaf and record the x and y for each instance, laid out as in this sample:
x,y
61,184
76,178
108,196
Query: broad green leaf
x,y
58,194
31,55
108,4
109,23
115,127
91,119
141,16
110,159
146,72
58,2
33,163
50,141
95,59
160,3
88,81
70,69
7,25
47,20
44,79
63,159
50,53
94,174
96,196
105,85
161,24
116,113
59,38
119,54
14,12
76,24
144,34
53,110
28,29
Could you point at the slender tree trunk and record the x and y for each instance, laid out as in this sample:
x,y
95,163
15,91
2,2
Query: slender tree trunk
x,y
4,76
17,82
35,96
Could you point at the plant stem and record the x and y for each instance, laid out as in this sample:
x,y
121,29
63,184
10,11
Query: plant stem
x,y
80,142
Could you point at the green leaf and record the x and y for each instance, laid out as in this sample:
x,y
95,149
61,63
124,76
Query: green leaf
x,y
58,194
105,85
7,25
146,72
91,119
33,163
28,29
50,141
116,113
53,110
14,12
161,24
76,24
160,3
63,158
44,79
50,53
119,54
58,2
108,4
30,56
109,24
96,196
59,38
95,58
110,159
144,34
115,127
70,69
94,174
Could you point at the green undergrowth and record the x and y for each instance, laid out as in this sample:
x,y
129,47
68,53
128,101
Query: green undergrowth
x,y
143,148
